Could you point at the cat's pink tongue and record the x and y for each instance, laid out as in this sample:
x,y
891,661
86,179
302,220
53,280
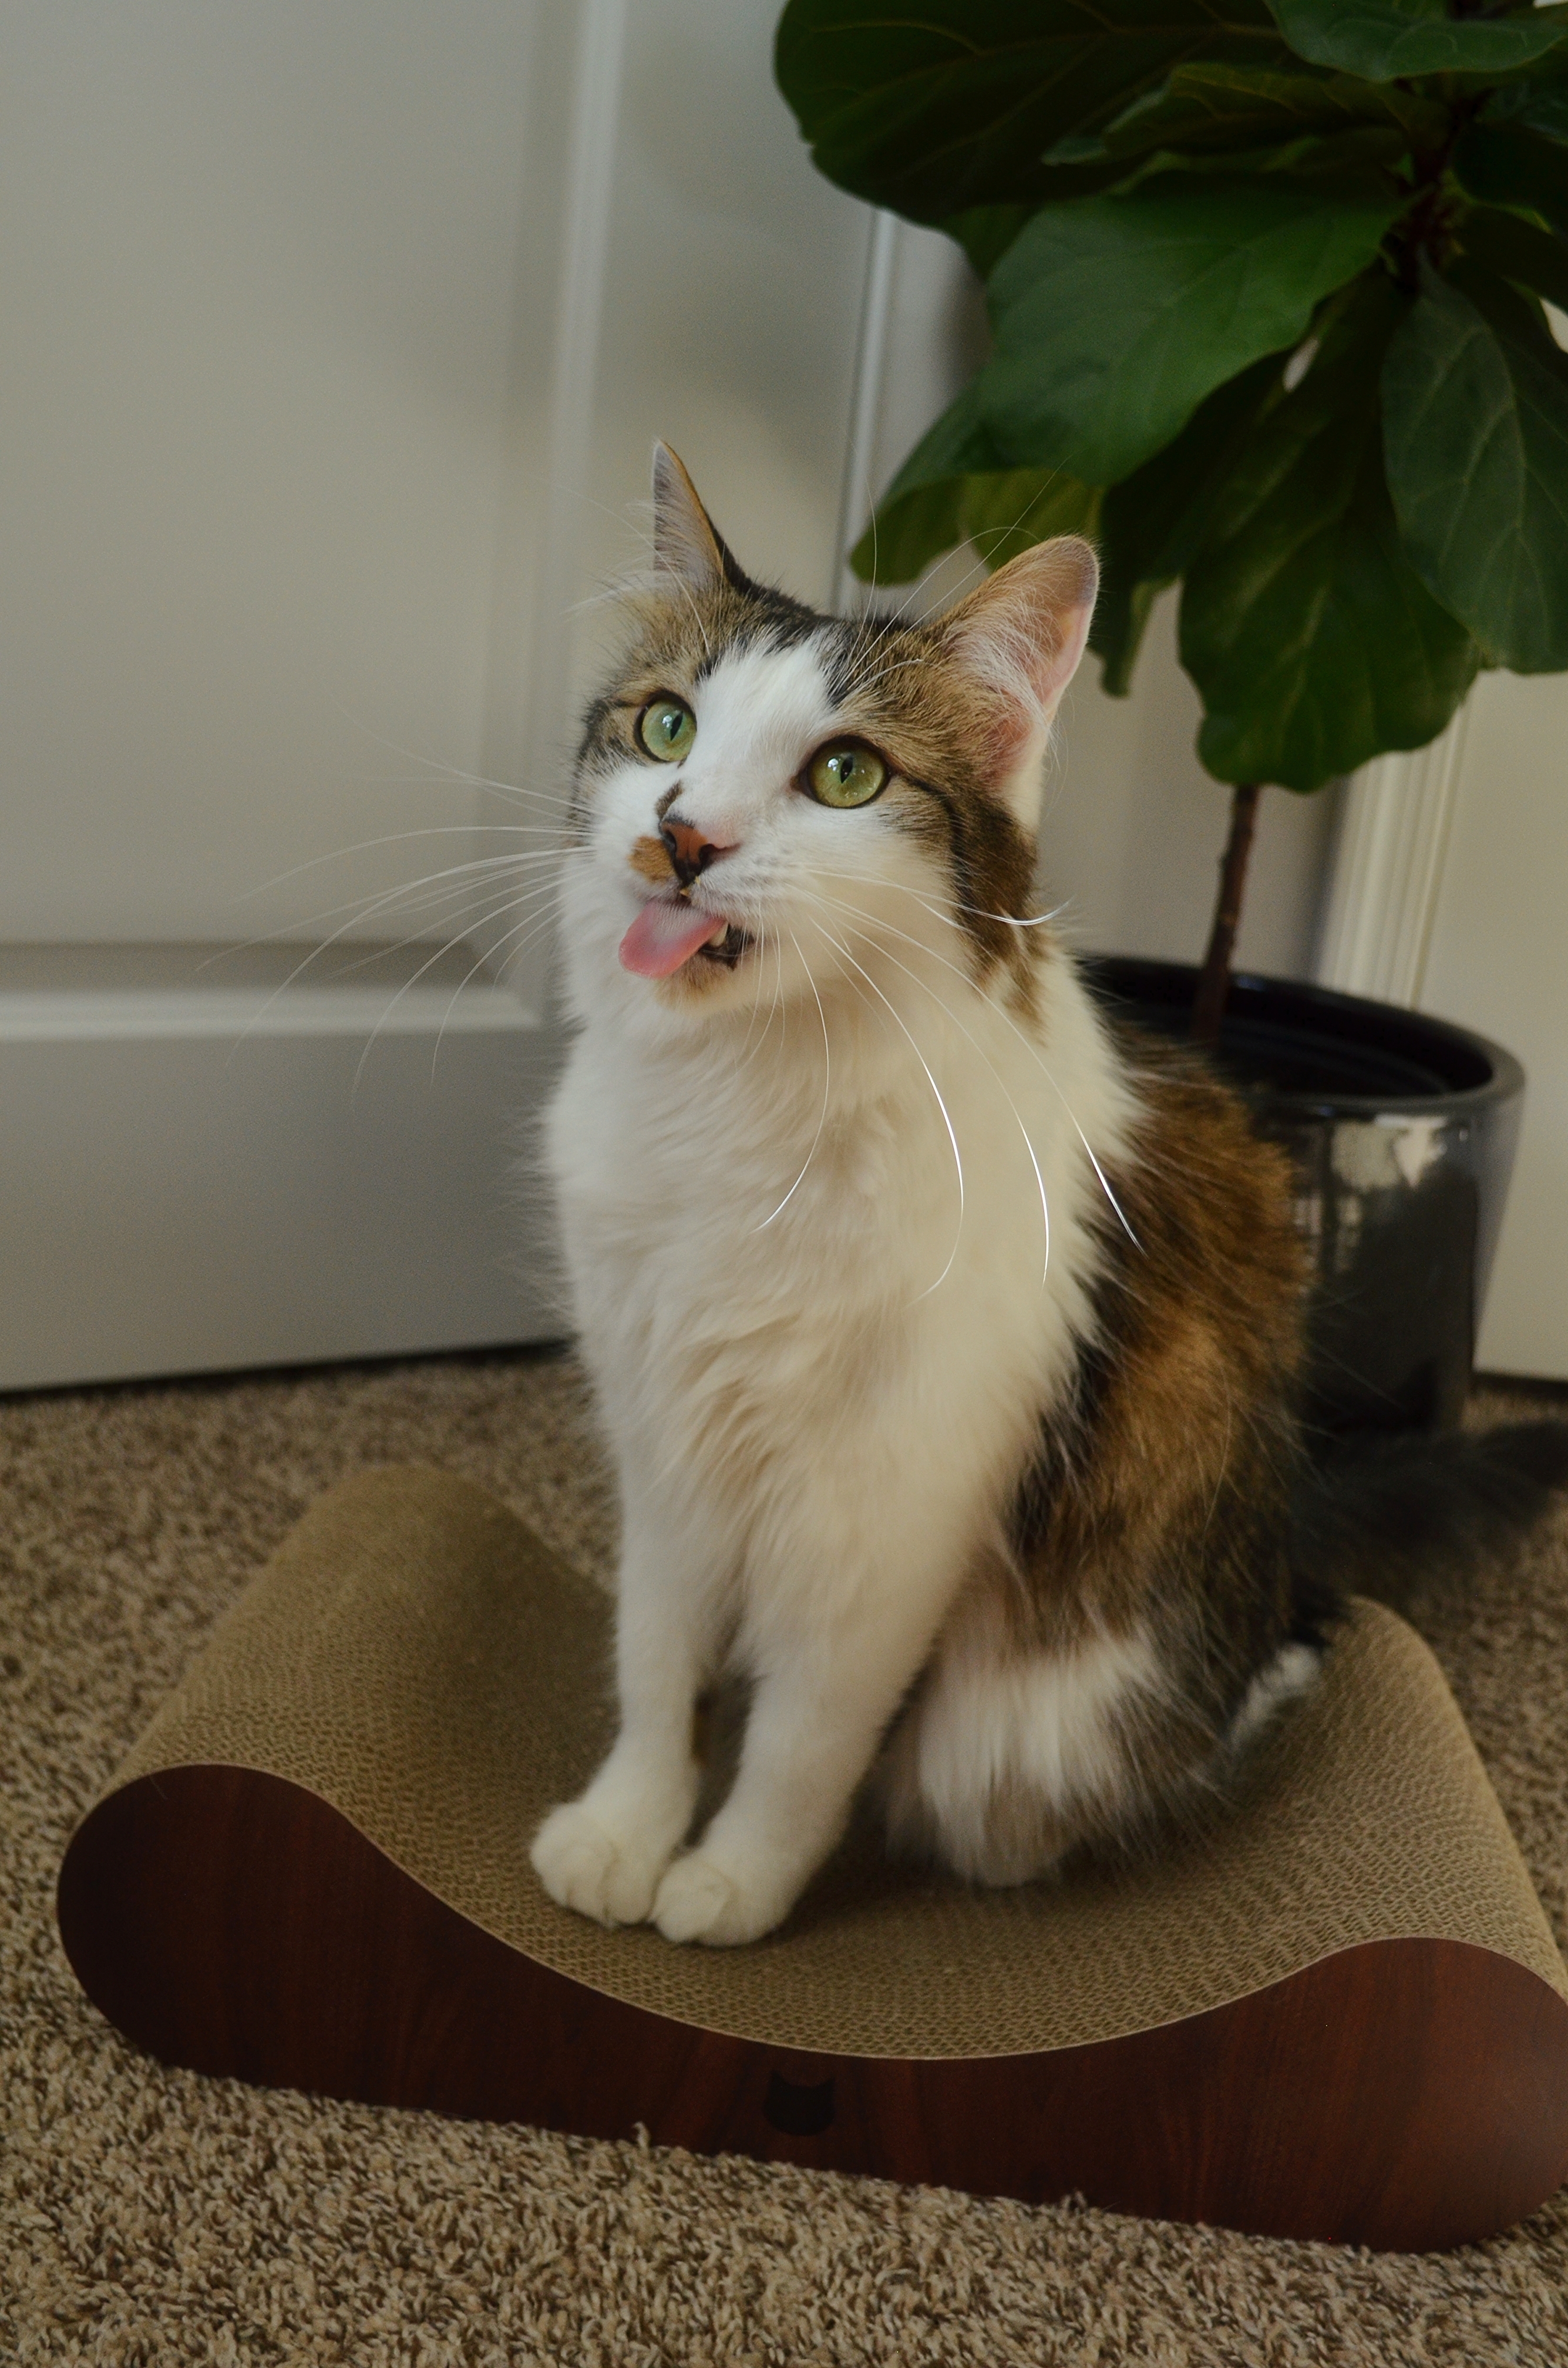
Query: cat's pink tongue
x,y
663,934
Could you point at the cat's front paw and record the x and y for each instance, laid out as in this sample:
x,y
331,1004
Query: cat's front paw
x,y
586,1865
697,1900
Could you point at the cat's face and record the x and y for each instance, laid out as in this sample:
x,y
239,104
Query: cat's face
x,y
765,796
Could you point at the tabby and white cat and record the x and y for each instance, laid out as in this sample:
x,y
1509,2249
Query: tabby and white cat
x,y
947,1345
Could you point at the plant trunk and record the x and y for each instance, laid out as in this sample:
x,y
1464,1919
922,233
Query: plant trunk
x,y
1215,984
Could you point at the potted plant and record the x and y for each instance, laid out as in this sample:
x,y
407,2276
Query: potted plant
x,y
1266,287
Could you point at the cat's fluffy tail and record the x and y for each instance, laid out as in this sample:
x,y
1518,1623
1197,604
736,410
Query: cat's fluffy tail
x,y
1390,1517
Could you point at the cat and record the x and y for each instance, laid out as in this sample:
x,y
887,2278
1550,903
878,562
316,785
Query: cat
x,y
947,1339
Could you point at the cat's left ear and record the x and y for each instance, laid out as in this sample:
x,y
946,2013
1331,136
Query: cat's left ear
x,y
687,544
1022,633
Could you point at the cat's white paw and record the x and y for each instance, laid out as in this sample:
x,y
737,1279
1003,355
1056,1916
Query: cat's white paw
x,y
699,1901
586,1865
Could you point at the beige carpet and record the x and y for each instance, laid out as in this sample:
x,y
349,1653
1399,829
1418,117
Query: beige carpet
x,y
149,2216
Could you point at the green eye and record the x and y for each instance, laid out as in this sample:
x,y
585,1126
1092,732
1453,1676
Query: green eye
x,y
845,773
666,728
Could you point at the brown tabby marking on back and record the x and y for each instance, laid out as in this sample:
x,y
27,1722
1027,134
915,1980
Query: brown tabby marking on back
x,y
1162,1500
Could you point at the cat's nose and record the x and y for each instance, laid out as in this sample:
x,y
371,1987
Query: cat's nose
x,y
690,849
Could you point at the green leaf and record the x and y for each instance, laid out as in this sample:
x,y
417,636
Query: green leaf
x,y
1006,514
1475,400
1356,162
1153,522
1536,104
985,232
1115,316
1313,640
954,104
905,535
954,487
1511,167
1385,39
1515,249
1220,108
958,444
1001,512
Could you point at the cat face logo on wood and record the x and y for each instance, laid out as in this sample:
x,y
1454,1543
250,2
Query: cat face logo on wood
x,y
945,1337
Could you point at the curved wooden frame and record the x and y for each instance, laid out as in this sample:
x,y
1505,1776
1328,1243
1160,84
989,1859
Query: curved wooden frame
x,y
1401,2093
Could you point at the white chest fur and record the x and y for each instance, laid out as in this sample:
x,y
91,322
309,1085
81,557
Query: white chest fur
x,y
854,1276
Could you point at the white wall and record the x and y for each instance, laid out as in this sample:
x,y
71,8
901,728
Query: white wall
x,y
1135,828
1497,960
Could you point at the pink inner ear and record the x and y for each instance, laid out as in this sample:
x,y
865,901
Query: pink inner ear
x,y
1073,627
1023,633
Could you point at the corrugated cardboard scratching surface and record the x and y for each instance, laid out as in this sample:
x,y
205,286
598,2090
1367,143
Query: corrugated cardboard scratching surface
x,y
417,1658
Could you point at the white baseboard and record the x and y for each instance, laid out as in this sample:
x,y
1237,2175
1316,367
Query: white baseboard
x,y
205,1168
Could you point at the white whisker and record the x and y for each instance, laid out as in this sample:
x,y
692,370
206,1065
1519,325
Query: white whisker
x,y
1034,1054
411,982
741,1057
449,772
394,839
942,1105
981,912
826,1087
363,910
838,905
486,959
360,908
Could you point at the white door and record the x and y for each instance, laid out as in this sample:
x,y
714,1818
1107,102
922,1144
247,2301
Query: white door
x,y
336,341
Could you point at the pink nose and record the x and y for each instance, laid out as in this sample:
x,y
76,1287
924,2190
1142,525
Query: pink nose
x,y
690,849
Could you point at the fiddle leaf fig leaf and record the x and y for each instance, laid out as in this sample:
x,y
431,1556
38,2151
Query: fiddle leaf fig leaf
x,y
1311,638
1218,108
1532,104
905,535
1475,406
1003,515
1153,522
1507,167
985,232
955,488
1384,40
1115,316
1515,249
1000,512
958,444
955,105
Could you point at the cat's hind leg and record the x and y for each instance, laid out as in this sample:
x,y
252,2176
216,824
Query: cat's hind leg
x,y
1010,1753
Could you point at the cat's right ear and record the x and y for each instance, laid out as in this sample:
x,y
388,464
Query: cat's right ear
x,y
687,544
1024,630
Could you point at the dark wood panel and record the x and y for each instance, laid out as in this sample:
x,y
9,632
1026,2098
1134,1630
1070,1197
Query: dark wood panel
x,y
1404,2093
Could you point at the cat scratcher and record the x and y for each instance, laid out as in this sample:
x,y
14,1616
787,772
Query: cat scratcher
x,y
1338,2012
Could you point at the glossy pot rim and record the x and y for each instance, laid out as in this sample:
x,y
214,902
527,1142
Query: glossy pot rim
x,y
1281,1003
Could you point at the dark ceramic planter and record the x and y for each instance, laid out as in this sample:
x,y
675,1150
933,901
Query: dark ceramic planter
x,y
1402,1130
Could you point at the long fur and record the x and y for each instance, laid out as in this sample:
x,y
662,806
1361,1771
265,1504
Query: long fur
x,y
947,1344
